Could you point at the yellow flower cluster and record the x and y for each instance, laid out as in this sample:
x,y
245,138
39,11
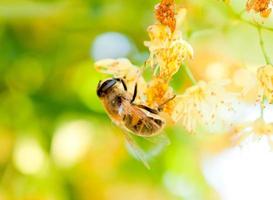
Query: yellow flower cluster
x,y
168,50
201,103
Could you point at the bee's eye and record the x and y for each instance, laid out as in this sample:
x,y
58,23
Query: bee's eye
x,y
105,86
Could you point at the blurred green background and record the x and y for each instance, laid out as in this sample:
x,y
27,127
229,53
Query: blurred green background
x,y
56,142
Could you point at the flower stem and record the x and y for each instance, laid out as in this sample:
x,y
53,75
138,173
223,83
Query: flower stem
x,y
189,74
261,41
259,27
239,17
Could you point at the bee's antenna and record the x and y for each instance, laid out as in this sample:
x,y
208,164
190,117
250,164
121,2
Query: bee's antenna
x,y
123,83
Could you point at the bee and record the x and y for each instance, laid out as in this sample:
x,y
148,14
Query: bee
x,y
138,119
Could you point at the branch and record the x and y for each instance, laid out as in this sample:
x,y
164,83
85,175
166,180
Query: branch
x,y
261,41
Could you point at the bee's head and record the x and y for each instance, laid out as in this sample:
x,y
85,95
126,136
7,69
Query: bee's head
x,y
103,87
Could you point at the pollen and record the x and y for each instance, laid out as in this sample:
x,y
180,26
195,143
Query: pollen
x,y
165,13
157,93
265,80
260,6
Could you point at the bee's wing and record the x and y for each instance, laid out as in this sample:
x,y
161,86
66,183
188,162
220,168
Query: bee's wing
x,y
158,143
141,114
128,109
161,138
136,150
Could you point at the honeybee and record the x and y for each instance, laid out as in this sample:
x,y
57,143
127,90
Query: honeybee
x,y
137,119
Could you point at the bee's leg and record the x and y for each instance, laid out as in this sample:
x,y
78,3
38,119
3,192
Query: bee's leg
x,y
135,94
139,74
123,83
151,110
160,107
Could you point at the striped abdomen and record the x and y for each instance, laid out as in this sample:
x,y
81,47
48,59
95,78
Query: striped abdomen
x,y
145,126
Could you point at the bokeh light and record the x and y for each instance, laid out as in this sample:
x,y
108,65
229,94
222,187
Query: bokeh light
x,y
29,158
71,142
243,172
111,45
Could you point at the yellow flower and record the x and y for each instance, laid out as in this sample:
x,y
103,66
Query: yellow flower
x,y
260,6
117,67
157,93
259,127
200,104
256,129
246,81
168,50
265,79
